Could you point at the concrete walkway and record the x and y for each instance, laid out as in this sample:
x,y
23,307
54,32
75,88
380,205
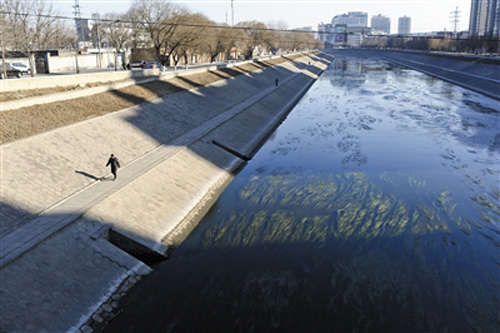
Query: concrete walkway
x,y
59,272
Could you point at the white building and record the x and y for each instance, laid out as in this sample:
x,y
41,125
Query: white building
x,y
351,19
404,25
381,24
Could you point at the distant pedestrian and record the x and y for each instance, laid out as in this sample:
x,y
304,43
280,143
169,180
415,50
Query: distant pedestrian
x,y
277,81
113,161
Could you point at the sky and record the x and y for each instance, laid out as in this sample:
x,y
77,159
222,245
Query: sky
x,y
426,15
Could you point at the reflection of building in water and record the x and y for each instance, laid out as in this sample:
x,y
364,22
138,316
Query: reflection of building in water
x,y
344,30
347,73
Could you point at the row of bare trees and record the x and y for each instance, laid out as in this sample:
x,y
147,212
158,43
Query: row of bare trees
x,y
171,30
28,25
174,32
448,44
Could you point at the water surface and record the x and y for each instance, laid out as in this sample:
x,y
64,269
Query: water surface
x,y
375,206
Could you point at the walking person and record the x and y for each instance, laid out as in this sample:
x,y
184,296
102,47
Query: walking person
x,y
277,81
113,161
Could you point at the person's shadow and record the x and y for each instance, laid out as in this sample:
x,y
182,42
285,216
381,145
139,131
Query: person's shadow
x,y
89,175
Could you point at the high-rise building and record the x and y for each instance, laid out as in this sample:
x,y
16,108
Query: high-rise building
x,y
484,18
351,19
381,23
404,25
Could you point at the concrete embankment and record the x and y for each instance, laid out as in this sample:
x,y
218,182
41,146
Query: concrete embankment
x,y
477,73
59,269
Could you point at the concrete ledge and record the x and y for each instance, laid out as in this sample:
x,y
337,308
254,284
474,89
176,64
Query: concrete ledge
x,y
51,81
63,80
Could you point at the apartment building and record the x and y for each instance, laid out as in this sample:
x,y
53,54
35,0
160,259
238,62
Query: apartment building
x,y
404,25
381,24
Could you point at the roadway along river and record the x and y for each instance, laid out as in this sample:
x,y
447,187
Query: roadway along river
x,y
374,206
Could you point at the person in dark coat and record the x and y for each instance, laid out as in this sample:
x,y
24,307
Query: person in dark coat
x,y
113,161
277,81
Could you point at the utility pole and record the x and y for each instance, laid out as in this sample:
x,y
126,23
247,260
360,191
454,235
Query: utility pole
x,y
455,19
79,32
232,13
78,20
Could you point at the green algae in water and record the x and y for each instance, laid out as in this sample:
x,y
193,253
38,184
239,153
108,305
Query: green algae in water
x,y
303,221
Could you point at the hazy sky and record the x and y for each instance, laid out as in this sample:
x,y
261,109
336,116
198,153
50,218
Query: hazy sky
x,y
426,15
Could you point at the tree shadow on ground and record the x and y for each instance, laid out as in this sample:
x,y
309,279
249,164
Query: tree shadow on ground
x,y
180,113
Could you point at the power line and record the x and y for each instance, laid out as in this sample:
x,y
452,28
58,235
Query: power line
x,y
215,26
62,17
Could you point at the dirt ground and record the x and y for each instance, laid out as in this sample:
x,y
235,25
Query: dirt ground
x,y
28,121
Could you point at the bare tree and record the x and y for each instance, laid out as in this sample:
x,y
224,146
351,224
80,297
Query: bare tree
x,y
280,29
119,33
160,19
63,36
190,36
215,43
4,30
258,34
33,25
233,39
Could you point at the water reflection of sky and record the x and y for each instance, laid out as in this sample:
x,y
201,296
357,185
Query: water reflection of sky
x,y
375,206
389,121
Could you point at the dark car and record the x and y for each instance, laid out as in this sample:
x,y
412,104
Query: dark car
x,y
138,64
153,64
11,71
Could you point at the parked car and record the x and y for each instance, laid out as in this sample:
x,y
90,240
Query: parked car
x,y
153,64
138,64
20,67
11,71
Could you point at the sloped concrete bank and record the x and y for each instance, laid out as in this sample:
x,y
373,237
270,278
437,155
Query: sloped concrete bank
x,y
59,269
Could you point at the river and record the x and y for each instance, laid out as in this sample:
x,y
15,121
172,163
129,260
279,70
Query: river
x,y
374,206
